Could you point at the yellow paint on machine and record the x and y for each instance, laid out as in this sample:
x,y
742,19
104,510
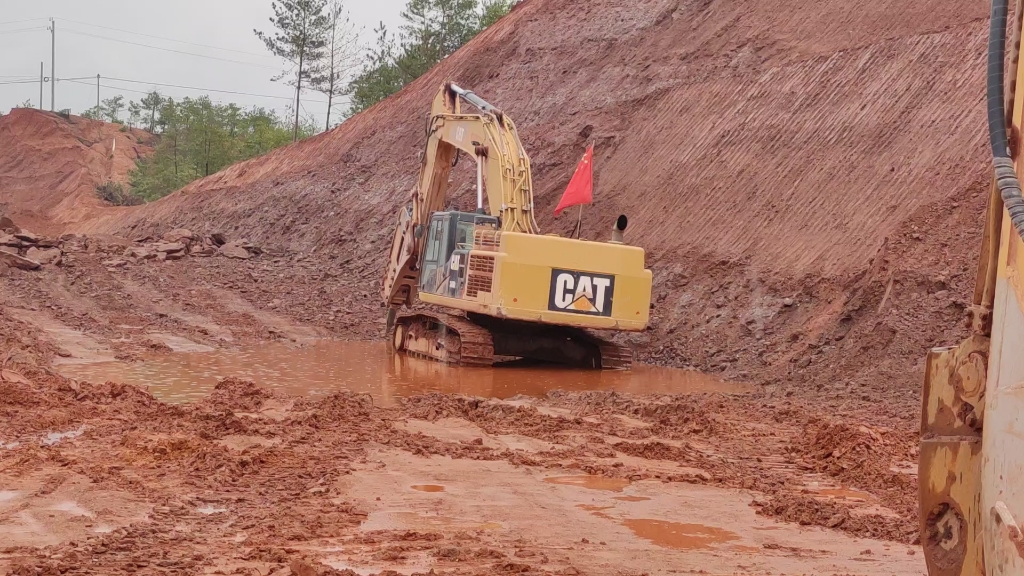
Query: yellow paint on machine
x,y
521,286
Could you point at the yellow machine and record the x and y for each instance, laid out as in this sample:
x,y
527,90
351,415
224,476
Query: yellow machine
x,y
971,466
515,293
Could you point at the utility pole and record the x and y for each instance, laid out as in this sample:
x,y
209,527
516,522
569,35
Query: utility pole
x,y
40,85
97,92
53,61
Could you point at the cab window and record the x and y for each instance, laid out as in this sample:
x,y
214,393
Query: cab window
x,y
434,241
464,235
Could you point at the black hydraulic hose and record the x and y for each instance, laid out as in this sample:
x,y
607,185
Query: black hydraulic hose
x,y
1006,177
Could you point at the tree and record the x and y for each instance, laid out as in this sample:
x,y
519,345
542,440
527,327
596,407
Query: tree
x,y
300,39
111,109
135,111
340,57
433,30
380,77
437,28
152,102
94,113
199,138
492,10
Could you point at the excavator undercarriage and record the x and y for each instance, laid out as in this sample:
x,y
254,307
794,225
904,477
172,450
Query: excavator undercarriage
x,y
480,340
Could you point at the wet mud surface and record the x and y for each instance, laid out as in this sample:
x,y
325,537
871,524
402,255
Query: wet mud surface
x,y
254,480
98,476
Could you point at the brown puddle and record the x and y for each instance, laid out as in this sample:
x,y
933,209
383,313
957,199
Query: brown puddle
x,y
326,366
591,482
428,488
677,535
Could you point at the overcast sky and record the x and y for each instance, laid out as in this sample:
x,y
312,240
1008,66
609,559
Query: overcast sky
x,y
113,38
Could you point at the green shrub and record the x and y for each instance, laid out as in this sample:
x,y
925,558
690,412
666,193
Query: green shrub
x,y
116,194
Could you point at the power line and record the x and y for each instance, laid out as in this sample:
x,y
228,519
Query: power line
x,y
209,89
36,81
169,39
93,85
22,30
75,81
20,21
169,49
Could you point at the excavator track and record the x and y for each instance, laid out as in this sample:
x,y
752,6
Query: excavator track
x,y
443,337
479,340
614,356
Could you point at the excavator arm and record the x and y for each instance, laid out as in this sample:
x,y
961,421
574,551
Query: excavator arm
x,y
504,184
972,427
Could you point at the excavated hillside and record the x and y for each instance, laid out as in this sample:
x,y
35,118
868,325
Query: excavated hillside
x,y
806,177
50,165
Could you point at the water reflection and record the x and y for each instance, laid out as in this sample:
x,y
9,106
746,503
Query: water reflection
x,y
326,366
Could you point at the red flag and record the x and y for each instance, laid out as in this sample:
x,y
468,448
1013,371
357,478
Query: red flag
x,y
581,187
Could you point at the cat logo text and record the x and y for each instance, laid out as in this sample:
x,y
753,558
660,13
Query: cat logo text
x,y
581,293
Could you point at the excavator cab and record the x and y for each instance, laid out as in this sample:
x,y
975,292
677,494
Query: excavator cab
x,y
446,250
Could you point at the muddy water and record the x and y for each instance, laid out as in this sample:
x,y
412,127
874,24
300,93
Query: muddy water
x,y
591,482
428,488
326,366
679,535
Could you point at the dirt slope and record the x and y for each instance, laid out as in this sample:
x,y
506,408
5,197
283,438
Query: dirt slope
x,y
773,157
50,165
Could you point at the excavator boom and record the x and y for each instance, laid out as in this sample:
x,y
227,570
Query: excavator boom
x,y
503,180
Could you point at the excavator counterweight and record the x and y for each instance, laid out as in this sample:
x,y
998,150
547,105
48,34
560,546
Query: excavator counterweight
x,y
507,291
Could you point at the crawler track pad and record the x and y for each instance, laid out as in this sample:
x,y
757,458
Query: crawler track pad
x,y
476,341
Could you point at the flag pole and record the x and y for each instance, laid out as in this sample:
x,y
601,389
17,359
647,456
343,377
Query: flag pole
x,y
579,224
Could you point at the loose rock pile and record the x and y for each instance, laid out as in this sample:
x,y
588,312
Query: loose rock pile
x,y
27,251
24,250
179,243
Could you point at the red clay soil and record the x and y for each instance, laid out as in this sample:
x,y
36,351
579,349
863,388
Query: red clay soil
x,y
50,166
786,165
808,178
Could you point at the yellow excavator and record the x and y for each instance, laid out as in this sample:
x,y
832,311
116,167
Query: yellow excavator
x,y
971,463
493,287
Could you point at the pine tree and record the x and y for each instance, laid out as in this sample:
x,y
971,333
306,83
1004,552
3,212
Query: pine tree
x,y
433,30
135,111
341,56
492,10
380,76
300,39
111,109
94,113
152,102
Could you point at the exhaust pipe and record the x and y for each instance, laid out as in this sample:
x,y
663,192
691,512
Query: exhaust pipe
x,y
618,228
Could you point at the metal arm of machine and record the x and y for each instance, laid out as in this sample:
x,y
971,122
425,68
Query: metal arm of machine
x,y
503,174
971,455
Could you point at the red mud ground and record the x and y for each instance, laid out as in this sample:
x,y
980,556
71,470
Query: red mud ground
x,y
808,180
104,479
